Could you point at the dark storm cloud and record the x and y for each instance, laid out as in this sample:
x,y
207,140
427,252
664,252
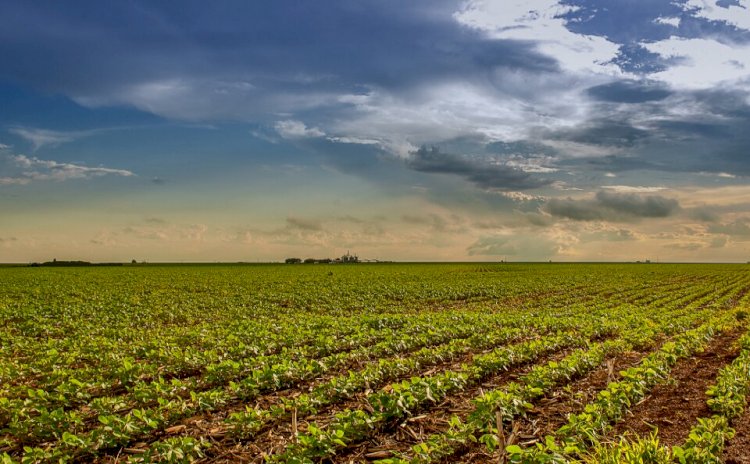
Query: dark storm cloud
x,y
637,205
703,214
628,91
690,129
729,102
612,206
614,163
265,61
615,133
737,228
483,173
281,56
686,131
520,147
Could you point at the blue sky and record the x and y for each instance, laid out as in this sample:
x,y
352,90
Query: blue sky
x,y
424,130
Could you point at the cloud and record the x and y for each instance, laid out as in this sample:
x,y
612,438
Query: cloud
x,y
740,228
686,246
485,174
729,12
320,236
718,242
616,207
519,95
700,62
691,131
703,213
522,197
726,175
40,138
604,132
437,223
194,232
543,22
632,189
148,233
263,60
614,235
305,224
291,129
104,238
31,169
389,75
673,21
158,229
524,246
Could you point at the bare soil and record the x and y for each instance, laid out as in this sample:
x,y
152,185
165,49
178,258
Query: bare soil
x,y
737,450
673,407
551,412
401,437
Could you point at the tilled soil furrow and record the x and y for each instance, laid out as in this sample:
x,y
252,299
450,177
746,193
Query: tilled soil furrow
x,y
276,439
737,450
674,406
402,436
213,423
551,412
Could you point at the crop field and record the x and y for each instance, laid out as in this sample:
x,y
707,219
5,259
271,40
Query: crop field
x,y
390,363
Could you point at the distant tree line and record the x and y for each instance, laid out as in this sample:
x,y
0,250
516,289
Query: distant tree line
x,y
56,263
308,261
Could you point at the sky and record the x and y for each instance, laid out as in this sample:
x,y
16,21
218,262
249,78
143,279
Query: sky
x,y
427,130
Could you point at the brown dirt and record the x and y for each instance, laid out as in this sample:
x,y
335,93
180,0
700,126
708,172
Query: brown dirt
x,y
737,450
552,411
675,405
226,449
278,437
401,437
212,425
211,420
274,438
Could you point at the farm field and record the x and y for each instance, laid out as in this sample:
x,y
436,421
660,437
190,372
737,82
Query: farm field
x,y
390,363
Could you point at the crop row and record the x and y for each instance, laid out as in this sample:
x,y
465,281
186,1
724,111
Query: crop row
x,y
93,362
250,420
35,418
178,356
39,422
494,408
572,440
727,399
